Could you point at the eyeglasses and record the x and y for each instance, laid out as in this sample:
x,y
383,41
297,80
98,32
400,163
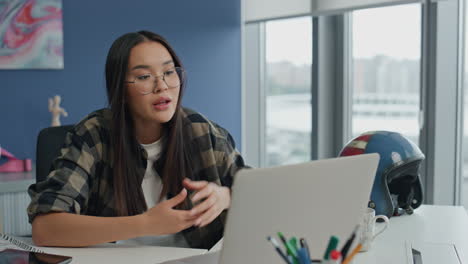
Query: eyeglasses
x,y
146,83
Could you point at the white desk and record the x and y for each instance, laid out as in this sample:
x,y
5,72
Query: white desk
x,y
443,224
437,224
123,254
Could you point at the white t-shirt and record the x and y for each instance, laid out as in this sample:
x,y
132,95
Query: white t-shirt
x,y
152,187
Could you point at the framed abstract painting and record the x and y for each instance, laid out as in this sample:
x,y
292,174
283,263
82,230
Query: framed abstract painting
x,y
31,34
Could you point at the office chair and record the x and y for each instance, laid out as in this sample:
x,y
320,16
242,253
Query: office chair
x,y
49,143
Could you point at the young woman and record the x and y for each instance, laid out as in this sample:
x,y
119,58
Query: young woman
x,y
145,170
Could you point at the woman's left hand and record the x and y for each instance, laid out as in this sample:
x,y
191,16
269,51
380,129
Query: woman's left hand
x,y
216,199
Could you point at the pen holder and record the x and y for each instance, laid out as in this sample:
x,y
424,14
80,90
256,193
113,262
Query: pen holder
x,y
300,254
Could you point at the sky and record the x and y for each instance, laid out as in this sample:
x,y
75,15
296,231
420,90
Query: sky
x,y
392,31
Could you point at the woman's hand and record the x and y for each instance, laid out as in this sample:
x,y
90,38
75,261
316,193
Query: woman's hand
x,y
214,199
163,219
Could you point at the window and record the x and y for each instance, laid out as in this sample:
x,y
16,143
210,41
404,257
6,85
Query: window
x,y
465,121
386,70
366,76
288,55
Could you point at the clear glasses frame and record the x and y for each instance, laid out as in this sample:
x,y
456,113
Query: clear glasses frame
x,y
147,83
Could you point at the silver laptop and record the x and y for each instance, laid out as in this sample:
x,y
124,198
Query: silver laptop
x,y
313,200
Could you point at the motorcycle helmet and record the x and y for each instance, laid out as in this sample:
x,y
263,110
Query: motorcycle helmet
x,y
397,185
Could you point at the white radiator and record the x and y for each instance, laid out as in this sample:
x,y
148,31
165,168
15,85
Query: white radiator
x,y
13,213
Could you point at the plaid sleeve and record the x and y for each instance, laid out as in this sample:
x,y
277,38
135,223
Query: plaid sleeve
x,y
66,188
215,158
221,162
231,161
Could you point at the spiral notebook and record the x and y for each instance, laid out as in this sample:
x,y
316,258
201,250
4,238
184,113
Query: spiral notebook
x,y
13,250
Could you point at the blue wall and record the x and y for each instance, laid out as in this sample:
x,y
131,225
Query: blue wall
x,y
205,34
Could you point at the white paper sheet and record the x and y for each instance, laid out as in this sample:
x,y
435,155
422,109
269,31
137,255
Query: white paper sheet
x,y
208,258
217,246
433,253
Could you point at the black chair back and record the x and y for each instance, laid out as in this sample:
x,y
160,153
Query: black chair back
x,y
49,143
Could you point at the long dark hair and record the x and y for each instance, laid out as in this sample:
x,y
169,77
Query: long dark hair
x,y
175,160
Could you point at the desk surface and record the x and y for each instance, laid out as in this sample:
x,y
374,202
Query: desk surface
x,y
116,254
440,224
433,224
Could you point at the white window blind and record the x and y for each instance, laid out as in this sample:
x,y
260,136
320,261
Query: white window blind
x,y
327,7
260,10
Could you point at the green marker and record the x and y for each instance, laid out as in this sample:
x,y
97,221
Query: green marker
x,y
292,244
290,249
332,244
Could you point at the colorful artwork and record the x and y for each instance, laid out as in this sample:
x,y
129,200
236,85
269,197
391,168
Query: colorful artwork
x,y
31,34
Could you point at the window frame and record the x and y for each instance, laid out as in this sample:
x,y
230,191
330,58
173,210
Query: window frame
x,y
441,106
253,95
441,119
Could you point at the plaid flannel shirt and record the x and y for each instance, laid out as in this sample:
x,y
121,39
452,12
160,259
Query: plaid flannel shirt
x,y
80,180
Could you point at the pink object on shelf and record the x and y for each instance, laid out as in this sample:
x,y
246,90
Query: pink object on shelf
x,y
14,164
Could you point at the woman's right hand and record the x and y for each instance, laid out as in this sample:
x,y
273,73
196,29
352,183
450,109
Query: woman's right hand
x,y
162,219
